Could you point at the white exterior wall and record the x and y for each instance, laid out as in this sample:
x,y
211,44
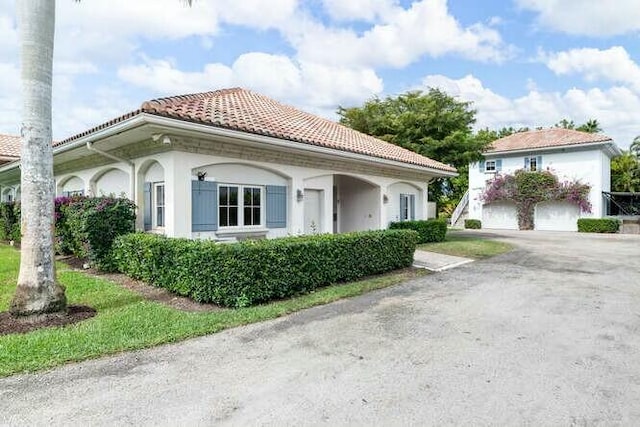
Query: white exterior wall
x,y
224,169
114,182
588,166
177,169
98,181
393,204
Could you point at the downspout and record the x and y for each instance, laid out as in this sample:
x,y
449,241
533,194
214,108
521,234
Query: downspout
x,y
132,180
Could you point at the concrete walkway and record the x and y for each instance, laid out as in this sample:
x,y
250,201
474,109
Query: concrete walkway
x,y
437,262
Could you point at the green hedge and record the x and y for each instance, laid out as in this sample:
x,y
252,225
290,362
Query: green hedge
x,y
431,230
252,272
10,221
598,225
473,224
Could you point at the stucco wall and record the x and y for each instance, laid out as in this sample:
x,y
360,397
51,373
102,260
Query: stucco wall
x,y
393,204
589,166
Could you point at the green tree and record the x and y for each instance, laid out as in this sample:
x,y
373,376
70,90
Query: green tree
x,y
430,123
591,126
625,172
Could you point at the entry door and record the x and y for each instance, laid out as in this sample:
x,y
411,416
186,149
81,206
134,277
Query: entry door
x,y
312,211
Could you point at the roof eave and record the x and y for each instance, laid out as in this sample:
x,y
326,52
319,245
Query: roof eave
x,y
158,120
269,140
609,145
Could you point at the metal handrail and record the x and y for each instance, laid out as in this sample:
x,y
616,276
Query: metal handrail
x,y
457,213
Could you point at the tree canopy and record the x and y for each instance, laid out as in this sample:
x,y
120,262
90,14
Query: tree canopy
x,y
431,123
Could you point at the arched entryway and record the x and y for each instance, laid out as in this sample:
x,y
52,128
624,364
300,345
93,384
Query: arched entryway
x,y
356,204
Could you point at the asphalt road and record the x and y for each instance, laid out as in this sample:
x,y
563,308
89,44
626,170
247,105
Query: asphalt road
x,y
546,335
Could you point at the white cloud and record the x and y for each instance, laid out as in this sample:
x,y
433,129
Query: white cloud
x,y
614,65
313,87
617,109
426,28
587,17
359,10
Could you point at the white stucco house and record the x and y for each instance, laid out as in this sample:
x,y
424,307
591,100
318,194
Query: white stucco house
x,y
569,154
233,164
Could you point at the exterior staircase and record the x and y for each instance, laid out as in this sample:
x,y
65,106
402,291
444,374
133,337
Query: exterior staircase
x,y
461,212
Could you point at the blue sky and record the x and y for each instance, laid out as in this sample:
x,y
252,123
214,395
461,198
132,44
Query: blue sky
x,y
521,62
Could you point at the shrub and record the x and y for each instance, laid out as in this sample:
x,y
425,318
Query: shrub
x,y
251,272
9,221
85,226
92,224
598,225
473,224
431,230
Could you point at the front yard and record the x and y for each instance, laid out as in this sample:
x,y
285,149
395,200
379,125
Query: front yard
x,y
127,321
464,244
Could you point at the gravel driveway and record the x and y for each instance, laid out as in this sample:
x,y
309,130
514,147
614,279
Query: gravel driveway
x,y
548,334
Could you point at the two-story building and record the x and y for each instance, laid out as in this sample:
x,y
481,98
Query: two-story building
x,y
569,154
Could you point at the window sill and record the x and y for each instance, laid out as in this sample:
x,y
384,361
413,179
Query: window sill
x,y
242,234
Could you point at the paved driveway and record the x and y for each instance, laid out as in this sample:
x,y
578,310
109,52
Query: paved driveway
x,y
546,335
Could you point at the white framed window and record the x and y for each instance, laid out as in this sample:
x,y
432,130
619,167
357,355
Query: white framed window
x,y
406,207
158,205
490,166
533,163
240,205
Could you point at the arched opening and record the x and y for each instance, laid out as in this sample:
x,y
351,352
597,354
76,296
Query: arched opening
x,y
152,180
71,186
404,202
356,204
111,182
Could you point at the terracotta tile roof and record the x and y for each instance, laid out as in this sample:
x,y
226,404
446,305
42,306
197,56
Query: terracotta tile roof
x,y
546,138
9,147
246,111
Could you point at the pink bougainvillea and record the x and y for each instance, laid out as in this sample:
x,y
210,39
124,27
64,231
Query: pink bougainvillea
x,y
526,189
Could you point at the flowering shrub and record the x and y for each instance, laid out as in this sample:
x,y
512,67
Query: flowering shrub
x,y
526,189
84,226
94,223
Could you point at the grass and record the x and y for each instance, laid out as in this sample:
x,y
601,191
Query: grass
x,y
126,321
469,246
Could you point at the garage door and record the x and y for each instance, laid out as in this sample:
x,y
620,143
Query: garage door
x,y
556,216
501,216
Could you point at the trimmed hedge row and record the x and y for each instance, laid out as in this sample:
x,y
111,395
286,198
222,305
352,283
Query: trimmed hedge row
x,y
598,225
431,230
252,272
472,224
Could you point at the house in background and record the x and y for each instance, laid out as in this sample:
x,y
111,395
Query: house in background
x,y
569,154
235,164
9,152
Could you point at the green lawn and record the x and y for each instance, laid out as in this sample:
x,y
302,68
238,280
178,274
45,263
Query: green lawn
x,y
469,246
126,321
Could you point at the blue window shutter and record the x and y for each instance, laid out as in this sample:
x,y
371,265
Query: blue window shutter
x,y
499,165
412,205
403,207
276,206
539,163
526,163
482,166
204,206
147,205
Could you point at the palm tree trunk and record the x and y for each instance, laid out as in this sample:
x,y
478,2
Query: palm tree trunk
x,y
37,290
